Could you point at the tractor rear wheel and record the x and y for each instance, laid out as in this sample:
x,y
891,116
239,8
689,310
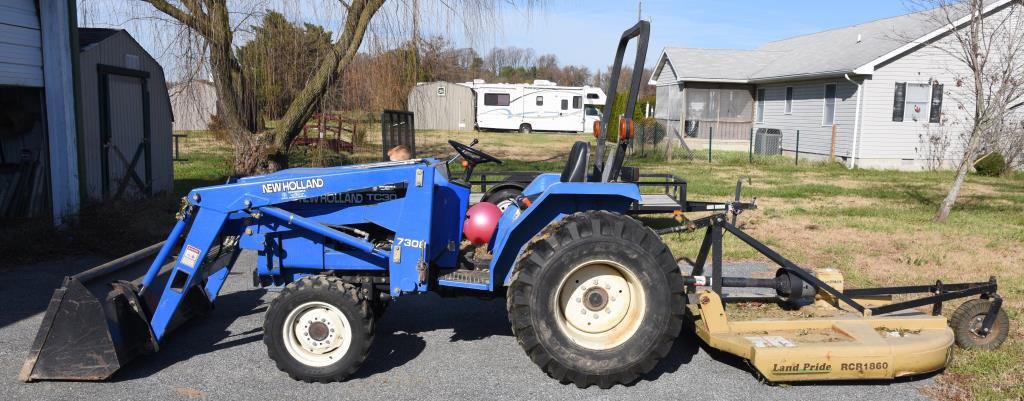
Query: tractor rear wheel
x,y
596,298
319,329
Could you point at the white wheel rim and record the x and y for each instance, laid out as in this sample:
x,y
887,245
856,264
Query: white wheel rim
x,y
600,304
505,204
317,334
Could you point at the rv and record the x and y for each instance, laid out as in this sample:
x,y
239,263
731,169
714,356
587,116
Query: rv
x,y
540,106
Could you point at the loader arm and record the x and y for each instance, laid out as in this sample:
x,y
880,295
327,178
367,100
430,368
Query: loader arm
x,y
260,213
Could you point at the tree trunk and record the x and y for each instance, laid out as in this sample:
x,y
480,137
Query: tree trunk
x,y
961,174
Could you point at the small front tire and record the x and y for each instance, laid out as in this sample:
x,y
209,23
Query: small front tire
x,y
504,198
319,329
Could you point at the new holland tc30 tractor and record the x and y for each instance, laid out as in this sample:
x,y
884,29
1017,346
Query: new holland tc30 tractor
x,y
593,296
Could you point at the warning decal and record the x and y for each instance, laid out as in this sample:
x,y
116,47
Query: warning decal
x,y
190,256
770,341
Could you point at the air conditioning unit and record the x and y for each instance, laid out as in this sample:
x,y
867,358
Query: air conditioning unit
x,y
768,141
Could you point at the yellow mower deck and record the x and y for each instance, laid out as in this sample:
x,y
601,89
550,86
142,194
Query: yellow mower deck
x,y
832,344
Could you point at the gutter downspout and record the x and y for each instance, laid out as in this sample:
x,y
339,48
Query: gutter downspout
x,y
855,145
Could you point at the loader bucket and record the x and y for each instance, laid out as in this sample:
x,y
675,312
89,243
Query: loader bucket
x,y
84,338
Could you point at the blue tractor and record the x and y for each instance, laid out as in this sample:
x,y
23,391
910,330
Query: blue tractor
x,y
594,297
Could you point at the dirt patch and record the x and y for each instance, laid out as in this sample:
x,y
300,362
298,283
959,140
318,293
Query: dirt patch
x,y
189,392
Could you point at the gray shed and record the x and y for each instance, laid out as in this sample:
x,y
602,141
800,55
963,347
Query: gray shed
x,y
194,103
443,105
126,117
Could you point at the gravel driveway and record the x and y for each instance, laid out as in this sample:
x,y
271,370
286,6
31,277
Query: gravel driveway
x,y
426,347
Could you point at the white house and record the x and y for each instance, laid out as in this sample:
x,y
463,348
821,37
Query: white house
x,y
885,88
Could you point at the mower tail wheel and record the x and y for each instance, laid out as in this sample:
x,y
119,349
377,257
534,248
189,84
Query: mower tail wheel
x,y
967,320
319,329
596,299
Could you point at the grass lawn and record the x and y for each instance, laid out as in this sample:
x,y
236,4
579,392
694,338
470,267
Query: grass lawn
x,y
876,226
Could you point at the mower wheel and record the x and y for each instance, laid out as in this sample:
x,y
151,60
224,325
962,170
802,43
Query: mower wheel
x,y
967,320
596,298
319,329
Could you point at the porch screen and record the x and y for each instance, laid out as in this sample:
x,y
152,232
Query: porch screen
x,y
727,105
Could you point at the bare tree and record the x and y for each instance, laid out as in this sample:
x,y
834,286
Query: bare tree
x,y
991,47
259,148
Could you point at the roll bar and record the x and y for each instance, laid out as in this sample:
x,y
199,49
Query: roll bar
x,y
642,32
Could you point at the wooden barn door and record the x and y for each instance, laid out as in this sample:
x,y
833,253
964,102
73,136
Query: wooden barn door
x,y
125,156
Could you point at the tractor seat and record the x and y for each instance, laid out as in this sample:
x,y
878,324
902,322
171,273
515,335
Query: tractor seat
x,y
576,166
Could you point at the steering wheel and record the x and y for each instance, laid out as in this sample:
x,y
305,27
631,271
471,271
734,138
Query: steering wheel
x,y
473,155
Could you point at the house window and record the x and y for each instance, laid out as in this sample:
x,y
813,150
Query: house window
x,y
760,105
789,100
577,102
914,101
496,99
592,96
540,100
915,106
565,104
829,112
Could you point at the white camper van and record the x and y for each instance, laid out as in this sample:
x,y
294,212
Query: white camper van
x,y
540,106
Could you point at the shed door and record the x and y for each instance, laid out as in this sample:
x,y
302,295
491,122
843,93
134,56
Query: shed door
x,y
21,57
124,136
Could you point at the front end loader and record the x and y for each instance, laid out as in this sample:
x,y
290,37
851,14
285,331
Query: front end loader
x,y
593,296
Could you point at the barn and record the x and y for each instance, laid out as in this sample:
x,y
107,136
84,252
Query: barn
x,y
38,148
126,117
442,106
84,114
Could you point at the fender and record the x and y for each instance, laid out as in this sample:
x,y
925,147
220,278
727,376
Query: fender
x,y
558,200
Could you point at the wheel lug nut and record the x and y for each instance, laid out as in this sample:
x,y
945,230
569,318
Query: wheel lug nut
x,y
596,316
583,311
579,300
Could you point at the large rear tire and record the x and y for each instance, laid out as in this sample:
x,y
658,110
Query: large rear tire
x,y
596,298
319,329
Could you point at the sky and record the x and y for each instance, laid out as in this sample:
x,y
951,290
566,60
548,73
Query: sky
x,y
578,32
586,32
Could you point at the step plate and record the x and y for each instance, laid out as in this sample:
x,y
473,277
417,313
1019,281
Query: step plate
x,y
474,277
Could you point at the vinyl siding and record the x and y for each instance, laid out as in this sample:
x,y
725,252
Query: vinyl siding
x,y
667,76
886,143
808,108
21,57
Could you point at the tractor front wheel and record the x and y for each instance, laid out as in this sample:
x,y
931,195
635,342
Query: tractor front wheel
x,y
319,329
596,299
